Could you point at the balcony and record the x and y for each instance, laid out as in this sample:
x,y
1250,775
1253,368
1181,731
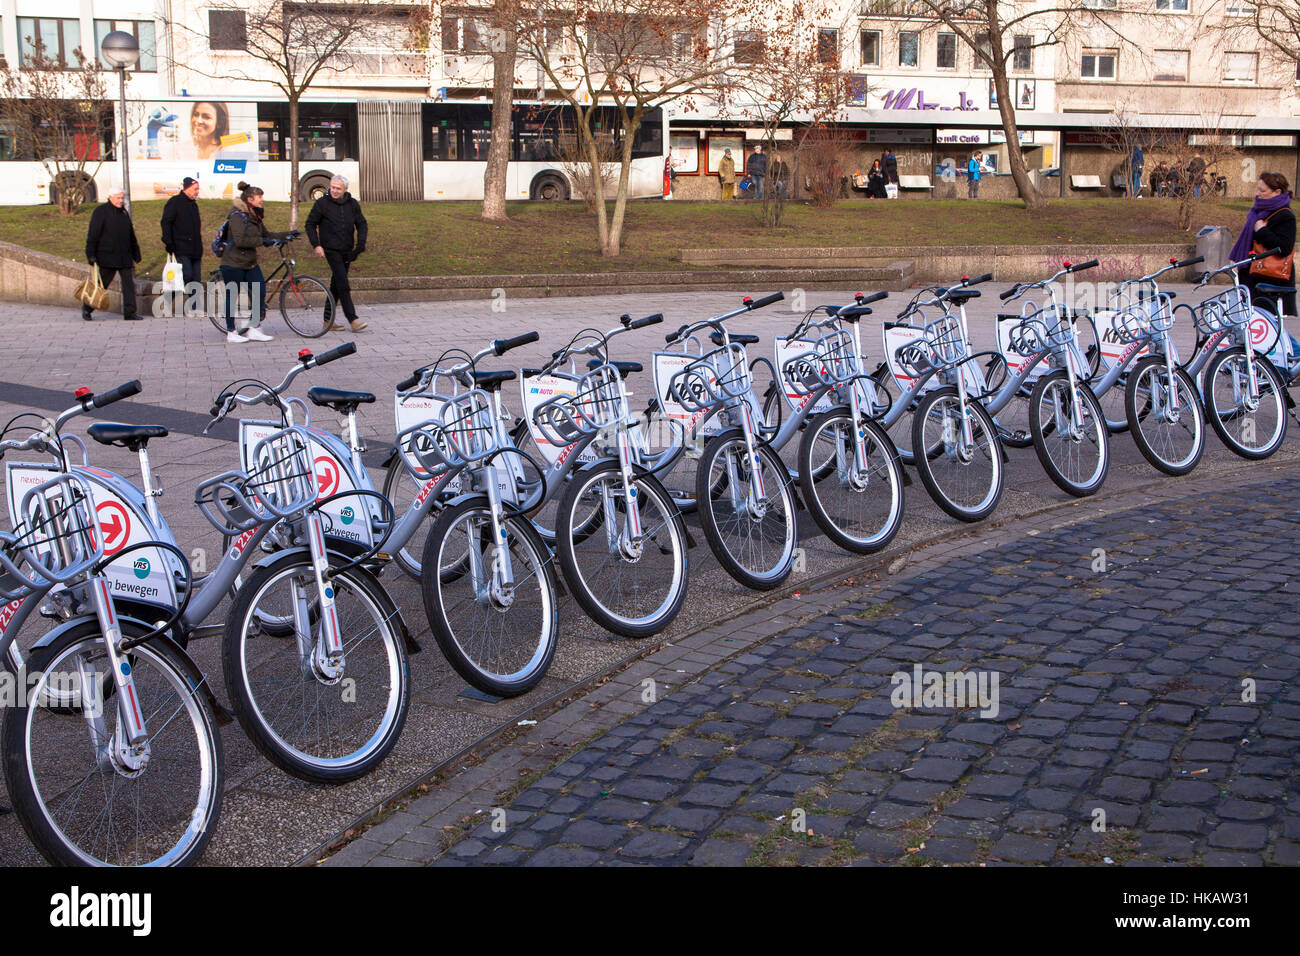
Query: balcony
x,y
398,67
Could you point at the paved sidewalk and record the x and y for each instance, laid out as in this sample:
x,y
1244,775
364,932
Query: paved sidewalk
x,y
1147,710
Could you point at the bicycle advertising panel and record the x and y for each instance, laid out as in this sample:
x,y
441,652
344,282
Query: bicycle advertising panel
x,y
413,411
787,350
333,475
1016,361
895,337
145,574
668,364
534,390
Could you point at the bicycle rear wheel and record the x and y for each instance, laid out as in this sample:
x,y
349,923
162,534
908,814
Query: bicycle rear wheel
x,y
1075,461
965,480
1172,440
859,512
1252,429
307,306
131,807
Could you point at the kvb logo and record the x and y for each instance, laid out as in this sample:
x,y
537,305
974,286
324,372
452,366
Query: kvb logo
x,y
115,523
327,476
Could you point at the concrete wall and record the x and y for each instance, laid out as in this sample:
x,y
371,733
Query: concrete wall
x,y
36,277
1105,163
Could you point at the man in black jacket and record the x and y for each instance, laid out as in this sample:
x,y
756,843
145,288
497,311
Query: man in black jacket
x,y
330,226
111,246
182,232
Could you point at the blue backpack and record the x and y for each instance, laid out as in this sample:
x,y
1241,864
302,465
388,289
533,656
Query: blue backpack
x,y
221,241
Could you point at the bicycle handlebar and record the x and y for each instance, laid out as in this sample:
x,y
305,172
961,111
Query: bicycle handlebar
x,y
347,348
766,300
125,390
860,299
502,346
647,321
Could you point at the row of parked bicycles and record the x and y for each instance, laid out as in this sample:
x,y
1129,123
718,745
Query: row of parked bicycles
x,y
112,753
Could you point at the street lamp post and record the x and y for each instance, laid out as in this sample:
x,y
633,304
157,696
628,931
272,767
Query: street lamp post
x,y
121,50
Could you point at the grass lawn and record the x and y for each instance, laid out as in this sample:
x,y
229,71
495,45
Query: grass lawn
x,y
448,238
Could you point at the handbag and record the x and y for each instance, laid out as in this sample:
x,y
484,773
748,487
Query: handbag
x,y
173,277
91,292
1278,268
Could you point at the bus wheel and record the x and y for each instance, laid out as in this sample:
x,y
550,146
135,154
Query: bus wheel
x,y
314,185
550,189
68,178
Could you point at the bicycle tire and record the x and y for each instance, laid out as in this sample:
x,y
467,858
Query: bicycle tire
x,y
849,513
900,431
499,663
306,306
55,793
720,514
359,708
598,567
1153,430
1237,425
1069,461
956,479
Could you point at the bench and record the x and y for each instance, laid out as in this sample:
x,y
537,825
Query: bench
x,y
914,182
1085,182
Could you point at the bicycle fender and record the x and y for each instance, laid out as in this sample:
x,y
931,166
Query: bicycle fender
x,y
195,677
391,610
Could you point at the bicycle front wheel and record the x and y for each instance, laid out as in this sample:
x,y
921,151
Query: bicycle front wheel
x,y
499,635
1172,439
307,306
85,796
633,585
859,511
1076,458
752,537
318,718
1252,428
963,475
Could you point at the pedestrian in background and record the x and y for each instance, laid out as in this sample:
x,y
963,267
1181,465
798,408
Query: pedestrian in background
x,y
973,176
1135,163
875,181
331,225
757,170
182,235
246,233
112,248
1272,224
889,164
727,174
780,174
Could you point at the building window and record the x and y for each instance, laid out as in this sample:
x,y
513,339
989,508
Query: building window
x,y
828,47
142,30
1099,4
1240,67
983,46
1098,64
1022,55
909,49
55,40
870,40
1171,66
1172,6
227,30
1240,8
947,58
749,46
465,35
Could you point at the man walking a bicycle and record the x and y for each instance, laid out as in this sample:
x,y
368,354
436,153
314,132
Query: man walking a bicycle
x,y
330,227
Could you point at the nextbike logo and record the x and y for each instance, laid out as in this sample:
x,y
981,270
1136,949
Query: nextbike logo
x,y
229,166
347,515
141,568
950,689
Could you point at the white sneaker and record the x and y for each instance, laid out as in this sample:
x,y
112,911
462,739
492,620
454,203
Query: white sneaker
x,y
257,335
233,337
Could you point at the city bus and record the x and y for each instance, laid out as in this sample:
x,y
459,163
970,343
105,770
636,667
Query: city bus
x,y
389,150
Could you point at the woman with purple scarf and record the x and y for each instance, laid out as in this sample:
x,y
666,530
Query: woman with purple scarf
x,y
1271,223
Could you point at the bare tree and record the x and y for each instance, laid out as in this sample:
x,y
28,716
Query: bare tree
x,y
503,18
783,73
633,55
62,118
291,42
1275,25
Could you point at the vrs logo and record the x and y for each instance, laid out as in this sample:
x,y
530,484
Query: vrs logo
x,y
141,568
347,514
75,909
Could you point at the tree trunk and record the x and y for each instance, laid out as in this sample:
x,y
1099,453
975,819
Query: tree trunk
x,y
293,160
1019,172
498,159
613,245
597,181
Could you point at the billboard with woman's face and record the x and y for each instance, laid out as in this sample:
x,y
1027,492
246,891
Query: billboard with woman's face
x,y
214,141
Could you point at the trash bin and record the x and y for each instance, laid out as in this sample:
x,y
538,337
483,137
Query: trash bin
x,y
1215,244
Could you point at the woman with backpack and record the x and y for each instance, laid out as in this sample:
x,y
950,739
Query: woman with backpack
x,y
245,233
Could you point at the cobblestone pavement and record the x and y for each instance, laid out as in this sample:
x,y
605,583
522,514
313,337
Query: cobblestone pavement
x,y
1147,710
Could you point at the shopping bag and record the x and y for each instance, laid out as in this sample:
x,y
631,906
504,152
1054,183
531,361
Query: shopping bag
x,y
891,190
173,278
91,291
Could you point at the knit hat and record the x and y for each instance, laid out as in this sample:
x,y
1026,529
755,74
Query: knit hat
x,y
187,182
